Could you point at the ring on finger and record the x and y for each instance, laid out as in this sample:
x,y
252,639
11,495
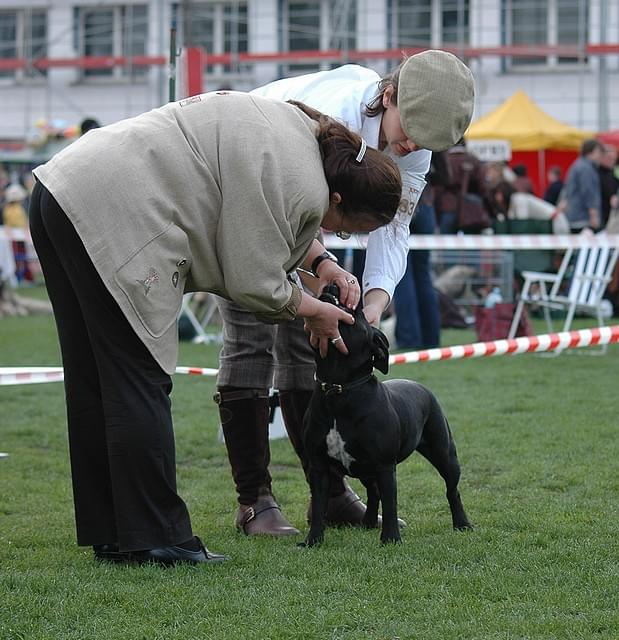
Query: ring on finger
x,y
351,281
334,340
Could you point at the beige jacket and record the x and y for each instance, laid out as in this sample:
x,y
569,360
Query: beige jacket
x,y
222,192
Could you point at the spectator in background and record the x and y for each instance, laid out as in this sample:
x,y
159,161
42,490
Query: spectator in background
x,y
14,215
609,184
555,185
522,183
583,194
467,175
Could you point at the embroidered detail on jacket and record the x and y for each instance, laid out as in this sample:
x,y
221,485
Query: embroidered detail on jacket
x,y
149,281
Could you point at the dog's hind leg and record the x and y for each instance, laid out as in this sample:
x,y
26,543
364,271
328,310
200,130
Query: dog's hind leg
x,y
438,447
370,518
387,486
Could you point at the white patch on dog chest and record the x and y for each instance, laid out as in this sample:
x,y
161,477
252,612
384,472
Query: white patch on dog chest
x,y
336,450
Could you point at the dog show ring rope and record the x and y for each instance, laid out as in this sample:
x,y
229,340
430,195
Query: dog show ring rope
x,y
597,336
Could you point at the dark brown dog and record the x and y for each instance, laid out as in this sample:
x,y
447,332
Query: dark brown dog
x,y
365,427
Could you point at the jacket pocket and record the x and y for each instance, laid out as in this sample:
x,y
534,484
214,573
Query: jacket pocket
x,y
153,279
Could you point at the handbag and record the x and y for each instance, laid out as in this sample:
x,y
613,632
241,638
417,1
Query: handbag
x,y
493,323
472,214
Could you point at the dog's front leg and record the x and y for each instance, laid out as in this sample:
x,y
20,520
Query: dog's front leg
x,y
387,486
319,488
370,518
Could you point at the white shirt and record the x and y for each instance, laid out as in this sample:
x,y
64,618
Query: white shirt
x,y
343,93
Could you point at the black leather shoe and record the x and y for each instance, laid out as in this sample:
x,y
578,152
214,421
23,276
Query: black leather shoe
x,y
110,553
172,555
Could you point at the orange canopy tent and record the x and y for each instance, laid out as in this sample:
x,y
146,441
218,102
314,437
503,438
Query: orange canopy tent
x,y
537,139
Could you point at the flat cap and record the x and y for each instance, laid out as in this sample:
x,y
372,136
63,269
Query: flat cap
x,y
436,94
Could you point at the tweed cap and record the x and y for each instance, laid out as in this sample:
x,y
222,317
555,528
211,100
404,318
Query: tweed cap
x,y
435,97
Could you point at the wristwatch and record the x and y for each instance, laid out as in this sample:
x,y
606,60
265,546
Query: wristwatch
x,y
327,255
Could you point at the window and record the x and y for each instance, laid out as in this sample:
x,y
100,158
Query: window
x,y
455,23
318,26
23,34
112,31
217,27
429,23
556,22
412,23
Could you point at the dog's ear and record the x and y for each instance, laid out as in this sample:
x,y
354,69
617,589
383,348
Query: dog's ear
x,y
380,350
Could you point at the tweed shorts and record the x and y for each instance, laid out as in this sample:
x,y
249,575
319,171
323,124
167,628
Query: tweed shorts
x,y
260,356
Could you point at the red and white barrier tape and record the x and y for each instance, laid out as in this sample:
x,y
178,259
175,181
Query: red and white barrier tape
x,y
197,371
33,375
436,241
30,375
482,242
528,344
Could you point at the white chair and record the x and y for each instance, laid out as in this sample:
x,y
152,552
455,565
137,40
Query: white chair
x,y
583,286
199,310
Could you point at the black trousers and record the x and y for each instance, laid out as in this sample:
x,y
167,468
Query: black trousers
x,y
121,439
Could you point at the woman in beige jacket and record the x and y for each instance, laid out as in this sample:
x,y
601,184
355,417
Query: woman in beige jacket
x,y
222,192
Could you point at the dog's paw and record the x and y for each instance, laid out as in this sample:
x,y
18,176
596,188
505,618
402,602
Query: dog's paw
x,y
370,524
390,540
464,526
310,542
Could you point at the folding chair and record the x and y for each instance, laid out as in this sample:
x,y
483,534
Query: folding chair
x,y
199,311
585,284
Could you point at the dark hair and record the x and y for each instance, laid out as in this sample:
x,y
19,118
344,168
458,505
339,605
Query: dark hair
x,y
506,190
589,146
371,188
520,170
375,107
87,124
555,170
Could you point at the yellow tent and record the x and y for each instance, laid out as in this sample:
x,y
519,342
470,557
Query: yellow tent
x,y
526,126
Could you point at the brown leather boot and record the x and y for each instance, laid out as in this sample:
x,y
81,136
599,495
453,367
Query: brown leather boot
x,y
244,415
263,518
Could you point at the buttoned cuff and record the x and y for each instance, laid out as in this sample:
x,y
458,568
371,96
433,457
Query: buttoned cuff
x,y
287,312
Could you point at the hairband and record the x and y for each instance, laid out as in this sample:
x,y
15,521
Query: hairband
x,y
361,153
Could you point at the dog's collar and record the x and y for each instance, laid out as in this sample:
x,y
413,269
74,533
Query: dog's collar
x,y
329,388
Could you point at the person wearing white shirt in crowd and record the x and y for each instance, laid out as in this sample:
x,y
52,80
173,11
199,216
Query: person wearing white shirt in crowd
x,y
424,105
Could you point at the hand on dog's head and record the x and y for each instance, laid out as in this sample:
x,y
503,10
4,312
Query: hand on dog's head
x,y
364,342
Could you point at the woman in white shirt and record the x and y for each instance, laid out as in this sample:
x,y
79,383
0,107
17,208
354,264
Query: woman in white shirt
x,y
424,105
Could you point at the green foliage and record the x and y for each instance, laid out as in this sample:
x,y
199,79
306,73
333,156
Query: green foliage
x,y
537,439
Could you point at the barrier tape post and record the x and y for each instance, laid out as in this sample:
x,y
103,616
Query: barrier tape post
x,y
597,336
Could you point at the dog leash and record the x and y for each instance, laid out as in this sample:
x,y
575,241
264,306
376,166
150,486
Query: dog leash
x,y
329,388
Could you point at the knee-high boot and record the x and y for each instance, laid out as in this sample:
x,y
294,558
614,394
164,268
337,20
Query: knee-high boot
x,y
345,507
244,415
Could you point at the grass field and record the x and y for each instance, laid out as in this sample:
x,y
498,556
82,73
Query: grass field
x,y
538,441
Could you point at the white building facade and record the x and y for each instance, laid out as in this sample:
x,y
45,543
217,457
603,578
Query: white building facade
x,y
64,60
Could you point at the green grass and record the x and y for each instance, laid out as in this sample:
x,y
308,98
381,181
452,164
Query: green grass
x,y
539,446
